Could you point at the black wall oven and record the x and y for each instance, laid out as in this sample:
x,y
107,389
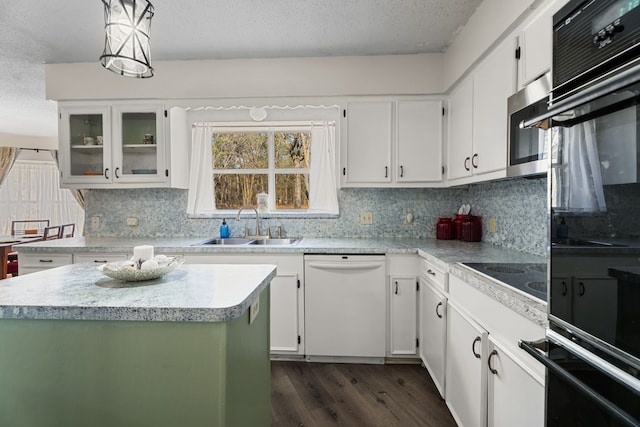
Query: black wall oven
x,y
592,348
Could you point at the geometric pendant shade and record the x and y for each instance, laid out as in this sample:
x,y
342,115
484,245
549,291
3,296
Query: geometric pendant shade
x,y
126,37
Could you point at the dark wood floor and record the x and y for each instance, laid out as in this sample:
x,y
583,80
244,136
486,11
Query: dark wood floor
x,y
327,394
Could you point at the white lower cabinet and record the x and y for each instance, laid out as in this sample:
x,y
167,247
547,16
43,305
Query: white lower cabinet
x,y
466,376
287,297
32,262
403,305
432,332
489,380
515,395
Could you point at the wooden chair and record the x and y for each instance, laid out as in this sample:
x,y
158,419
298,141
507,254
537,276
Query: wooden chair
x,y
28,226
67,230
53,232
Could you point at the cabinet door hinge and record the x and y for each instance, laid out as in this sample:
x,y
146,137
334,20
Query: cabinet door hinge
x,y
518,52
298,283
299,339
165,113
166,173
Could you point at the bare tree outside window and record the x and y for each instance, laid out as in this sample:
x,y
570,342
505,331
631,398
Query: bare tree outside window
x,y
276,161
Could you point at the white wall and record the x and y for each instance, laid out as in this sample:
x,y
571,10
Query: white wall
x,y
283,77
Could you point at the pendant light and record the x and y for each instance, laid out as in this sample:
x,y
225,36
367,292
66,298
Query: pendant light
x,y
126,37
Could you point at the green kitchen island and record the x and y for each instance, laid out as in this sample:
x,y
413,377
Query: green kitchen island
x,y
80,349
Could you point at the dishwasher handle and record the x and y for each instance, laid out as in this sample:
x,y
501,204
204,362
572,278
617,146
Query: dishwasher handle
x,y
345,265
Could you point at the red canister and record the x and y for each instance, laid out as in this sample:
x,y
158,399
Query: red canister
x,y
444,229
457,226
471,229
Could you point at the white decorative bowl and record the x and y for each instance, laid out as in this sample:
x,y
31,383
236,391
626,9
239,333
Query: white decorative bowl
x,y
125,270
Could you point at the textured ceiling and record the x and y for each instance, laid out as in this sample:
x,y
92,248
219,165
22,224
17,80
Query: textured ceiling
x,y
34,32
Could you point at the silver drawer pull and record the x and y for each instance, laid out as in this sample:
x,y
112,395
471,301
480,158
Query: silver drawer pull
x,y
45,260
431,272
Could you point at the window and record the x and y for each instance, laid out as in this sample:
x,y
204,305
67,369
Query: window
x,y
293,164
246,163
32,191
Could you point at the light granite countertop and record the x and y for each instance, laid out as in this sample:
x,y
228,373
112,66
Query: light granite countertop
x,y
445,254
192,293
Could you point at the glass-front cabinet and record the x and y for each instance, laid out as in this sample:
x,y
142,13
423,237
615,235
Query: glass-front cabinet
x,y
104,146
138,136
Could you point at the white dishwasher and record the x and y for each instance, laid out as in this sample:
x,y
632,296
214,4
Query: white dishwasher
x,y
345,308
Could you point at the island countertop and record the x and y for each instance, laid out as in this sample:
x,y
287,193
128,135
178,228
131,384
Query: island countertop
x,y
192,293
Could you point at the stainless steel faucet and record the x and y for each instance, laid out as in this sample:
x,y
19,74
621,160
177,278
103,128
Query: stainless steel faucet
x,y
256,234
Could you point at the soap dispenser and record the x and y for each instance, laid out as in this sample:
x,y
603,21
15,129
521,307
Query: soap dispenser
x,y
224,229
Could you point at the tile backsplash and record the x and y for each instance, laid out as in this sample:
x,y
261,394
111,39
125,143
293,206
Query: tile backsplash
x,y
519,206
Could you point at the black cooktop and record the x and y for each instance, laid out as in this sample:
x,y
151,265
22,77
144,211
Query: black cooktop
x,y
526,277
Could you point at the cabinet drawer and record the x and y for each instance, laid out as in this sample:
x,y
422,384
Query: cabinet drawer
x,y
98,258
41,261
435,275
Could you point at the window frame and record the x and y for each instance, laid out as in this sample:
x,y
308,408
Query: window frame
x,y
271,128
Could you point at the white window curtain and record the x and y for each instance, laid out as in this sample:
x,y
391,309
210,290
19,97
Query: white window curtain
x,y
32,191
323,190
200,199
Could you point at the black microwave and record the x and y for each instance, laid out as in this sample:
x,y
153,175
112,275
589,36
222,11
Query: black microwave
x,y
593,42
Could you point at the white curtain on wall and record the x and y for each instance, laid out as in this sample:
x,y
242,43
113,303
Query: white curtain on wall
x,y
323,191
32,191
200,200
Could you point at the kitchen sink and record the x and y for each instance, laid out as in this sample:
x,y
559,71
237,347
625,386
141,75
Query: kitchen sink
x,y
238,241
232,241
275,242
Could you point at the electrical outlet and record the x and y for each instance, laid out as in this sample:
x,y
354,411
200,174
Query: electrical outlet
x,y
254,309
492,225
132,221
366,217
95,223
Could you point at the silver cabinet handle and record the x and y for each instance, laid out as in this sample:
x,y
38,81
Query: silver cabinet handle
x,y
474,162
431,272
106,173
473,348
582,289
45,260
386,171
493,353
396,291
466,163
116,173
564,289
401,171
438,306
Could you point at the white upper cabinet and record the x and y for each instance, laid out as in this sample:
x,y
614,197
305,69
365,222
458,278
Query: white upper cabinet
x,y
368,144
477,146
419,141
460,131
394,143
121,146
494,81
535,40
